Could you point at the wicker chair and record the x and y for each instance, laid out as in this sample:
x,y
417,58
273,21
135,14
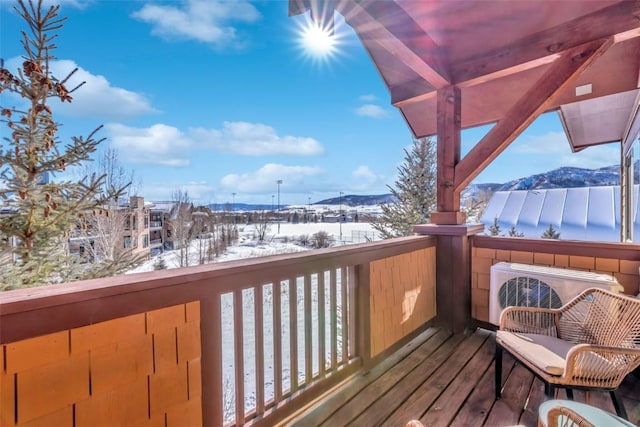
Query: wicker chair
x,y
564,413
591,343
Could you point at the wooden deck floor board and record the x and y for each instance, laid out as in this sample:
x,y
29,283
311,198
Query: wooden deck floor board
x,y
403,387
451,384
477,407
427,341
432,388
382,384
507,410
536,397
446,407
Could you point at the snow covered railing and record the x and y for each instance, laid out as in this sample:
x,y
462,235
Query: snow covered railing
x,y
242,342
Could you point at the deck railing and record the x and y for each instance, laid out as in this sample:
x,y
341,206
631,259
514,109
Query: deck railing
x,y
244,342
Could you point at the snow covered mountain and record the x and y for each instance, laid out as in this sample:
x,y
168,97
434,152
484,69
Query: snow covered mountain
x,y
566,177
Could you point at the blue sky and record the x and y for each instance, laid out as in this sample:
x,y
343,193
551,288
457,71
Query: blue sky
x,y
220,97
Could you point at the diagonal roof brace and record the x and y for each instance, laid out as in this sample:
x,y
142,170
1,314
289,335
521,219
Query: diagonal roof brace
x,y
561,74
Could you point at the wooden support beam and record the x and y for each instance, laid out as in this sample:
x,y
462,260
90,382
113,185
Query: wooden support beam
x,y
561,74
534,50
399,38
448,148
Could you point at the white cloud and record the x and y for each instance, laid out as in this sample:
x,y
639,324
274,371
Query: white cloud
x,y
166,145
207,21
372,110
553,148
367,98
159,144
96,98
364,180
255,139
364,173
264,179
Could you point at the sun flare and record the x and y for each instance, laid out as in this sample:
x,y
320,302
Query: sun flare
x,y
320,42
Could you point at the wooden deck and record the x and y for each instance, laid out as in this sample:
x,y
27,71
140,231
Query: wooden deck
x,y
446,380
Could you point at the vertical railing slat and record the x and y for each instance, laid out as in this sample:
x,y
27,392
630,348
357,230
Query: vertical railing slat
x,y
333,302
354,285
321,327
277,340
238,344
308,341
344,311
259,348
293,333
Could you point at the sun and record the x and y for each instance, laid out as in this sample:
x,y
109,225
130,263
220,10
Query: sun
x,y
318,41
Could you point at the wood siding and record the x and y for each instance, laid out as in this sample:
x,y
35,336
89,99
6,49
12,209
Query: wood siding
x,y
621,260
142,369
402,296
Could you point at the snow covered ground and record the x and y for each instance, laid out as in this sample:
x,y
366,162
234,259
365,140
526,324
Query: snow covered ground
x,y
275,243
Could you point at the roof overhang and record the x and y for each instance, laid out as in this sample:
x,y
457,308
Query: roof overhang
x,y
598,120
495,52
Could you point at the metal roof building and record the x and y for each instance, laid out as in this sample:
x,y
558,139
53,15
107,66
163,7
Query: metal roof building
x,y
586,213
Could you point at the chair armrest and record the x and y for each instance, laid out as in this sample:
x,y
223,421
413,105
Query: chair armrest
x,y
600,366
531,320
563,416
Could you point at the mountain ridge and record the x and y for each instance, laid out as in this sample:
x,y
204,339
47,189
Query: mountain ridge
x,y
562,177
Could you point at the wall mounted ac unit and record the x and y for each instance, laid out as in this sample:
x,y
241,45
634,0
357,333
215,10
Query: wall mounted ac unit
x,y
537,286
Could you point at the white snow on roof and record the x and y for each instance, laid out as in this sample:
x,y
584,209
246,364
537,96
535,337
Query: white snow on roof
x,y
586,213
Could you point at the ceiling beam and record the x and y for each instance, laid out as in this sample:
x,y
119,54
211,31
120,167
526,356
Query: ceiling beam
x,y
534,50
400,39
561,75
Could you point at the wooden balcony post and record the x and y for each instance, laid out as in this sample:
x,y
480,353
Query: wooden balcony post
x,y
453,273
448,149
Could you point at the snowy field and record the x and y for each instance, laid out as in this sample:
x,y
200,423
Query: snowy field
x,y
275,243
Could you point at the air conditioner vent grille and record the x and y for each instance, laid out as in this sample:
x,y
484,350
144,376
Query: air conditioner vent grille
x,y
513,284
527,292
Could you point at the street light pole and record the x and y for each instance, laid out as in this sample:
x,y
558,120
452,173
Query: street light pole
x,y
340,215
233,207
279,182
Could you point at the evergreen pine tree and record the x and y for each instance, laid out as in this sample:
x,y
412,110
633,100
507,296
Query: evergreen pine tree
x,y
550,233
414,193
494,230
43,211
514,233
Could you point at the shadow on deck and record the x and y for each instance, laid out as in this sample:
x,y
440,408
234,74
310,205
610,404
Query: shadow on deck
x,y
447,380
